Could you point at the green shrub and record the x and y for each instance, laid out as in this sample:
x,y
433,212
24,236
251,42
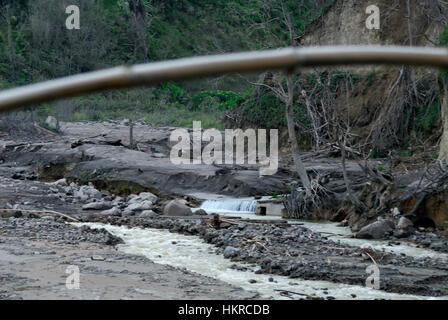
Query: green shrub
x,y
226,99
426,118
369,78
377,153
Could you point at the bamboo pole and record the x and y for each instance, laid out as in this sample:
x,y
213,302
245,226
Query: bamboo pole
x,y
42,211
187,68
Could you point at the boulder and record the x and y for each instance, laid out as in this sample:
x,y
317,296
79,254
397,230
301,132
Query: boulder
x,y
117,201
148,214
111,212
200,212
140,206
87,192
230,252
177,208
377,230
61,182
405,224
144,196
99,205
395,212
439,245
400,233
127,212
52,122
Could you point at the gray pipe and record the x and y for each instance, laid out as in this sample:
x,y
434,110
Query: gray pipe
x,y
188,68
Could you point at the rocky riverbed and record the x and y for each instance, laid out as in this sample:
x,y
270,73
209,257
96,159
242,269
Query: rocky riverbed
x,y
35,255
89,175
274,247
298,252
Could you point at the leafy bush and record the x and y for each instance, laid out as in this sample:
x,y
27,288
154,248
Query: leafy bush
x,y
42,48
226,99
426,118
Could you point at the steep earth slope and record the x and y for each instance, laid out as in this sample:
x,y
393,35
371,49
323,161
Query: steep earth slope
x,y
380,104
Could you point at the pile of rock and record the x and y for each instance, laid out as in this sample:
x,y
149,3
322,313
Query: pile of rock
x,y
177,208
384,228
141,205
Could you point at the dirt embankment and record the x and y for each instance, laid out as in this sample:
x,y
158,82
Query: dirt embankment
x,y
378,103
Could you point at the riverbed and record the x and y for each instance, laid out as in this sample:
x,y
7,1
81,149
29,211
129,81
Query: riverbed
x,y
190,252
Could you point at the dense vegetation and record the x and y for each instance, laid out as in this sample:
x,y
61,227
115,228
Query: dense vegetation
x,y
35,45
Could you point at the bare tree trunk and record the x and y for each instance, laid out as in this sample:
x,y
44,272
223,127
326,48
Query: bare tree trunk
x,y
300,168
443,151
58,126
411,43
314,121
350,194
10,47
139,24
131,134
9,34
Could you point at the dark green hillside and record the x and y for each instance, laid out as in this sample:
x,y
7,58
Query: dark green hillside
x,y
35,45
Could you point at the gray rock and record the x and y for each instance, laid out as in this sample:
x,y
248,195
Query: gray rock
x,y
97,258
404,224
50,218
144,196
52,122
87,192
436,245
177,208
377,230
99,205
117,201
127,212
230,252
140,206
241,226
201,212
61,182
402,233
148,214
111,212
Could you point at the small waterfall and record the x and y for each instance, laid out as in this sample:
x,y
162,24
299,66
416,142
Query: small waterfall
x,y
229,206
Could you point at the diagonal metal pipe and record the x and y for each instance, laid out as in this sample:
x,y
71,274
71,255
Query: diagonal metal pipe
x,y
188,68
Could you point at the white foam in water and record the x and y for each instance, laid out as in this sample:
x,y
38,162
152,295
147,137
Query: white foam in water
x,y
192,253
229,206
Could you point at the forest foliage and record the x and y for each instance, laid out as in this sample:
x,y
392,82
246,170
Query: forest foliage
x,y
35,46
